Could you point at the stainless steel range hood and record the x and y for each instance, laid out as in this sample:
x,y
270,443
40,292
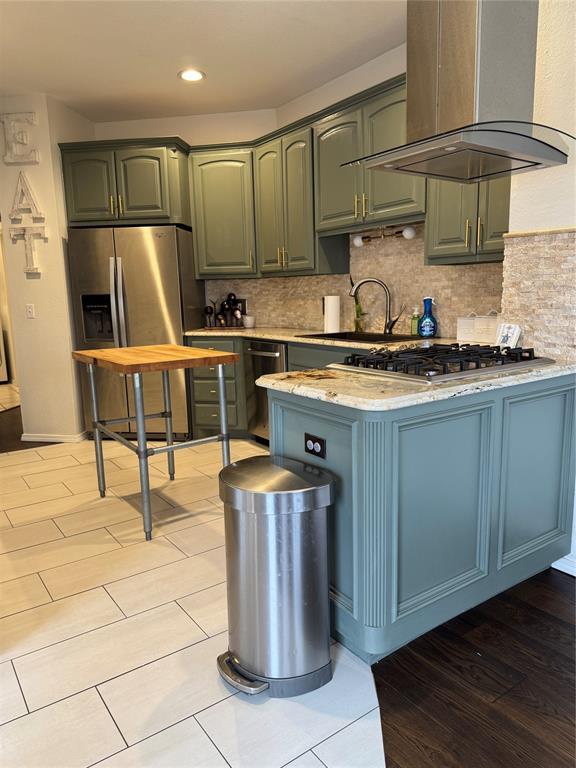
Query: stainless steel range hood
x,y
470,81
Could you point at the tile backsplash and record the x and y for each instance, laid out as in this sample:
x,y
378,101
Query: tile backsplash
x,y
296,302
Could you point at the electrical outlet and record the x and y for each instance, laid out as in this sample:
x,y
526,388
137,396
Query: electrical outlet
x,y
316,446
30,311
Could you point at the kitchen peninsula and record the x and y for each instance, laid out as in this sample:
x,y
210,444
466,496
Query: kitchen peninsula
x,y
448,493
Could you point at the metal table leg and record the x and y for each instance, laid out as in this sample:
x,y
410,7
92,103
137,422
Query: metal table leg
x,y
97,435
168,419
142,454
223,416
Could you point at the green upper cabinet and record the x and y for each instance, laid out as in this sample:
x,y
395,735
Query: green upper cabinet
x,y
389,196
142,178
90,186
353,195
338,190
224,213
284,202
268,199
298,192
134,183
493,217
465,222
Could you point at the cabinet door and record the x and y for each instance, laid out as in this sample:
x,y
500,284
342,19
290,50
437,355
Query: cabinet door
x,y
224,213
298,201
493,216
269,206
90,185
338,190
142,177
451,221
389,196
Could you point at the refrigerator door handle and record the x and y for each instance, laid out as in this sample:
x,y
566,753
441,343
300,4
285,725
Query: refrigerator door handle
x,y
113,301
121,311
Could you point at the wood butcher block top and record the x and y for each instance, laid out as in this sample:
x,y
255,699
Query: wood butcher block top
x,y
158,357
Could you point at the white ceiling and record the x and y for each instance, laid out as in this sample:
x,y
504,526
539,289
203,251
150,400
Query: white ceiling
x,y
119,60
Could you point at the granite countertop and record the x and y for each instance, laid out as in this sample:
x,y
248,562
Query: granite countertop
x,y
294,335
367,392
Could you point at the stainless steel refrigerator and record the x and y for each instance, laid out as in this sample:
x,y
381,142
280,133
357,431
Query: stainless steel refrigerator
x,y
133,286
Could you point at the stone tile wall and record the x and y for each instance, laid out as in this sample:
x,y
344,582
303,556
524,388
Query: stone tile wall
x,y
539,291
296,302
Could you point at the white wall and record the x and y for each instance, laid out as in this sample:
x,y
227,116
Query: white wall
x,y
547,199
389,64
46,371
195,129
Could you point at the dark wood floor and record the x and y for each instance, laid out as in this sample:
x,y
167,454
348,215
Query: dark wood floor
x,y
11,432
493,688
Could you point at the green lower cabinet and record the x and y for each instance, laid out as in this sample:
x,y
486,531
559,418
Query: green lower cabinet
x,y
304,356
439,506
223,213
466,222
202,388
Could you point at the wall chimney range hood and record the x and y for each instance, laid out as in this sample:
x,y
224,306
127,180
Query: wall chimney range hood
x,y
470,85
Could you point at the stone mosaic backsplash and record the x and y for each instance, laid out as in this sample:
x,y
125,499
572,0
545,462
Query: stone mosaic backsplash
x,y
296,302
539,291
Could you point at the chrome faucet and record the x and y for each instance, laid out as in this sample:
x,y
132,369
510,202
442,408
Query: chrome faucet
x,y
390,322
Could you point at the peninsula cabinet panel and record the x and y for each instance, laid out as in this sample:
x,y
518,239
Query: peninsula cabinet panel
x,y
536,489
430,561
389,196
338,190
142,176
90,186
224,213
269,206
439,505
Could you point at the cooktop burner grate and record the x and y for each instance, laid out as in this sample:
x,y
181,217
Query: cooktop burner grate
x,y
442,361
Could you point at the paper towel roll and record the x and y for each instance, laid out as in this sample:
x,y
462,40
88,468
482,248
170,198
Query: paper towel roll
x,y
331,314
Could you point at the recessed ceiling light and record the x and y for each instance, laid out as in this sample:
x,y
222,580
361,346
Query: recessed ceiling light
x,y
191,75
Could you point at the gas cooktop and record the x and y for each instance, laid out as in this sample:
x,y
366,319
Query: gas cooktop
x,y
442,362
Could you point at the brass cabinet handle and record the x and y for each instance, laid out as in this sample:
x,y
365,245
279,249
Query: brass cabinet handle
x,y
284,254
467,243
121,205
212,391
279,256
364,204
479,233
355,206
111,203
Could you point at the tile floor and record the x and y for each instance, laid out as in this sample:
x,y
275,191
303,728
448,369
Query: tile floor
x,y
9,396
108,643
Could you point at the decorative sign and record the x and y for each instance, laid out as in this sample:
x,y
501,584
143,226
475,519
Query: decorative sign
x,y
25,205
24,202
16,137
29,235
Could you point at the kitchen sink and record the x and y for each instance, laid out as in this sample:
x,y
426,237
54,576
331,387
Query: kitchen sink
x,y
367,338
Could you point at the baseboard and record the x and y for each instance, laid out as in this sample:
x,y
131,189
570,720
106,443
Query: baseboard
x,y
566,564
32,438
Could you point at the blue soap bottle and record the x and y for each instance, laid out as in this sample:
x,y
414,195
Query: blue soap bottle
x,y
427,325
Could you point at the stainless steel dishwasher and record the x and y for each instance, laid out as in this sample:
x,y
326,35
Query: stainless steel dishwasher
x,y
263,357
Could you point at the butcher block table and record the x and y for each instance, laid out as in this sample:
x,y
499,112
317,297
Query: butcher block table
x,y
135,361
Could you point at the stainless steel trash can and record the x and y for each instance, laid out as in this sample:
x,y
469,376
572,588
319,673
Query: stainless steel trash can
x,y
277,574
